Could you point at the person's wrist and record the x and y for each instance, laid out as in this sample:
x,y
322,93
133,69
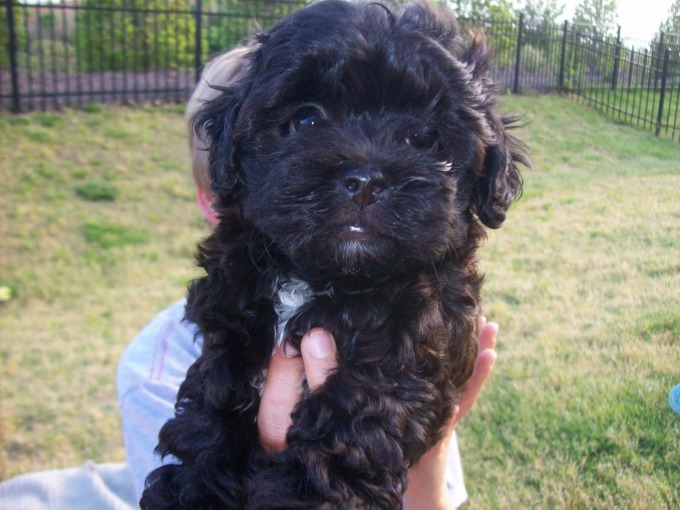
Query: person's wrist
x,y
421,500
427,486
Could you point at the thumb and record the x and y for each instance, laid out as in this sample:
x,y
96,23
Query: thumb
x,y
282,391
319,355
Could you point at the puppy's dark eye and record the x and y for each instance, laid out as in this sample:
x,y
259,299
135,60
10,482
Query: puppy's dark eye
x,y
422,141
306,117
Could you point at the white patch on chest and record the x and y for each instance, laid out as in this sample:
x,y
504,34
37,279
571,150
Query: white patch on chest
x,y
290,297
446,166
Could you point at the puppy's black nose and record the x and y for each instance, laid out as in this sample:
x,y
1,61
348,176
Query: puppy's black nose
x,y
364,185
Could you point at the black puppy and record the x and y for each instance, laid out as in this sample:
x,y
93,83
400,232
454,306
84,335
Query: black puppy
x,y
353,166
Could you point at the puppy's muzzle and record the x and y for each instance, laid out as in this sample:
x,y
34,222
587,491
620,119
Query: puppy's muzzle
x,y
364,185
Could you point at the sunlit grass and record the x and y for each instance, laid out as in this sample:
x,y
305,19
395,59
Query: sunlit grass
x,y
88,266
584,278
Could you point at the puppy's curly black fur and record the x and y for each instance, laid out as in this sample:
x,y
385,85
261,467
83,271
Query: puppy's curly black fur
x,y
357,162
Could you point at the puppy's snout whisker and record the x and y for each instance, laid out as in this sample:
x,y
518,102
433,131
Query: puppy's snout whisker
x,y
364,185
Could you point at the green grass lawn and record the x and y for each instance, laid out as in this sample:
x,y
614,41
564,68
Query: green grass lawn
x,y
98,230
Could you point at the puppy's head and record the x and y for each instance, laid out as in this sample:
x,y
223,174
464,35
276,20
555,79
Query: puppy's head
x,y
363,140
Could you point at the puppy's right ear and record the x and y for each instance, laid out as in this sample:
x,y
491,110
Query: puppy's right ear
x,y
215,124
501,183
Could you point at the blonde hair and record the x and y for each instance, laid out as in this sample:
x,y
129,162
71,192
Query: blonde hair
x,y
222,70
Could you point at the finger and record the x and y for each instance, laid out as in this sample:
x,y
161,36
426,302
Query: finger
x,y
450,426
488,332
282,391
319,355
483,368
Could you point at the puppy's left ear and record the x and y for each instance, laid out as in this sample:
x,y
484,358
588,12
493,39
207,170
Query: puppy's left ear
x,y
501,181
214,124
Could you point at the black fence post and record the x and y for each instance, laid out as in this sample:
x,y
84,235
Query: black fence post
x,y
563,56
664,74
198,56
662,37
617,59
518,55
644,70
14,71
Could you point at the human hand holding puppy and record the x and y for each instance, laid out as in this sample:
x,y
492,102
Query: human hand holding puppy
x,y
283,390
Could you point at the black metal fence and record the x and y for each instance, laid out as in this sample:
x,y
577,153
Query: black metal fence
x,y
74,52
635,82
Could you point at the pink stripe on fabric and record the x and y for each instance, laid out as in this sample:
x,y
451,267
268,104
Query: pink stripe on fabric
x,y
164,347
159,361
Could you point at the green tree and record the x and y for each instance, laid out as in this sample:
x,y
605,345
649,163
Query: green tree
x,y
601,14
672,22
539,31
482,9
671,30
541,12
496,18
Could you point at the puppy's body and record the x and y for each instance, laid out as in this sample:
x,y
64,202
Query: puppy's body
x,y
354,166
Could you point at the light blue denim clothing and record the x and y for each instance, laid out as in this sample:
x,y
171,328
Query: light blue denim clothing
x,y
90,487
149,374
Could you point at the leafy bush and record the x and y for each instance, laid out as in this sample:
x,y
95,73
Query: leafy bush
x,y
533,58
20,33
47,55
121,35
229,23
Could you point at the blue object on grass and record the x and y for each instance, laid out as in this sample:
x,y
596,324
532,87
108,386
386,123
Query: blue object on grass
x,y
675,399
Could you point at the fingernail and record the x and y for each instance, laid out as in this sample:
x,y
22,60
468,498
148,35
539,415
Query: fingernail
x,y
319,344
289,351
